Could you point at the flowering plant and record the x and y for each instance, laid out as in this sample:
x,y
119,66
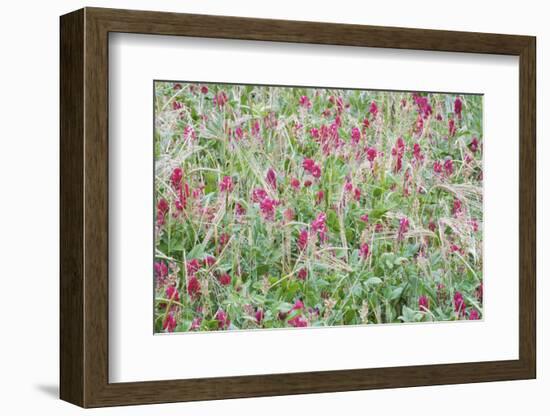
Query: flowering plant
x,y
298,207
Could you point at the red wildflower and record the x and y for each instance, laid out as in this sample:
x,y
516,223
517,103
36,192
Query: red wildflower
x,y
473,315
267,206
474,145
258,195
452,127
302,274
295,183
298,321
438,167
459,305
339,103
398,151
454,248
192,266
457,207
204,89
172,293
239,133
432,226
220,99
183,194
364,218
319,197
224,239
319,223
448,165
271,178
458,107
316,171
314,133
419,125
169,323
209,261
303,239
162,206
330,137
304,102
308,183
259,315
226,184
348,186
256,128
161,270
403,227
423,104
373,109
364,250
423,303
176,177
197,192
195,324
189,133
400,146
222,318
162,209
308,164
239,209
371,154
224,279
357,194
193,287
355,135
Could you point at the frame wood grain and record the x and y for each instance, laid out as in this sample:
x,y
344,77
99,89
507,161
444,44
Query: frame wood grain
x,y
84,207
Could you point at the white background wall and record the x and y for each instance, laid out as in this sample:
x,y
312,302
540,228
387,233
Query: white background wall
x,y
29,213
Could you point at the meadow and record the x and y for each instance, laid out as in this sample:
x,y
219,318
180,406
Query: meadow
x,y
287,207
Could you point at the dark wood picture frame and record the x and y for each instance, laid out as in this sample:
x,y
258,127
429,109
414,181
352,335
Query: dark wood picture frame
x,y
84,207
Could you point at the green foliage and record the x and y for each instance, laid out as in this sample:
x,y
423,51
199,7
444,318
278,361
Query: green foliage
x,y
239,133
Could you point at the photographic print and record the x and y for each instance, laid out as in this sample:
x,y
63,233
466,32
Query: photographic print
x,y
299,207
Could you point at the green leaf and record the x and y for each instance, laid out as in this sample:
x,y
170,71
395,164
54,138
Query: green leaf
x,y
211,179
373,281
356,290
196,253
396,293
332,221
377,214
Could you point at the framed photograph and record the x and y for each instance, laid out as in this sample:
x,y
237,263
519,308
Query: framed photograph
x,y
260,207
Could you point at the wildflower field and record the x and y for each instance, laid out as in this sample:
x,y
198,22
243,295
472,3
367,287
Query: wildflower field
x,y
281,207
